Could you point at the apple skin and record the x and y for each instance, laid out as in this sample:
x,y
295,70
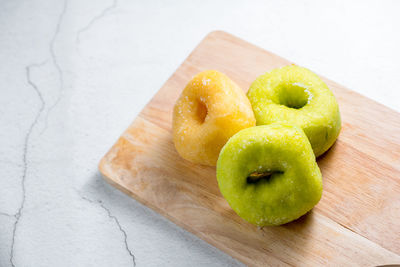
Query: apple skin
x,y
293,188
296,95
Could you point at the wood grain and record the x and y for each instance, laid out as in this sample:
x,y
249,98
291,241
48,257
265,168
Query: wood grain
x,y
358,218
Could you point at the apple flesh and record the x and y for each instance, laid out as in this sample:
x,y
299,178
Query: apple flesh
x,y
268,174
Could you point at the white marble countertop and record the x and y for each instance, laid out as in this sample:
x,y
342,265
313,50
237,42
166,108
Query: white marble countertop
x,y
74,74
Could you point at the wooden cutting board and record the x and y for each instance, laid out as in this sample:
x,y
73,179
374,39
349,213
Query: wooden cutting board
x,y
356,222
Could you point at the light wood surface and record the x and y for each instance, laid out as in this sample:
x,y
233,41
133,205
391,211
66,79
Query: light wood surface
x,y
357,221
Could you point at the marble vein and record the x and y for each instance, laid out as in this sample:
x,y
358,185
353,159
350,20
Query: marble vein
x,y
115,219
103,13
27,138
56,63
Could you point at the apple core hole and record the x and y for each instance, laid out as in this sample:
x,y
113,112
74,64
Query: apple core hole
x,y
256,177
201,112
295,95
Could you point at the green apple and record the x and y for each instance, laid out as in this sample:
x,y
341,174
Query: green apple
x,y
268,174
295,95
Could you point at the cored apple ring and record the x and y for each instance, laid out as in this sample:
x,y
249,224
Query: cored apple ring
x,y
297,96
268,174
209,111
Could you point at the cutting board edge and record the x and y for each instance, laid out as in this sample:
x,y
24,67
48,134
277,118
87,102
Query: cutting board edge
x,y
110,180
